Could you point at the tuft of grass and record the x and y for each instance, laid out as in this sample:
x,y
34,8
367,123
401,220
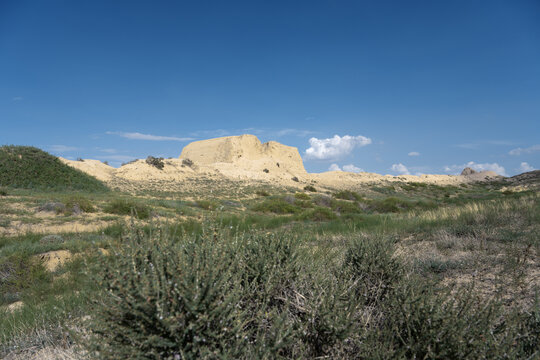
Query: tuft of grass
x,y
76,204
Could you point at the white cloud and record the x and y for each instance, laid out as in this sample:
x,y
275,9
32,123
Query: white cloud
x,y
456,169
347,168
335,147
139,136
62,148
414,153
525,167
528,150
17,98
334,167
352,168
400,169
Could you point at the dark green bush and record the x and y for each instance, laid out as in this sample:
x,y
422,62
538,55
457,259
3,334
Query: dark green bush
x,y
155,162
276,206
348,195
389,205
128,207
345,207
3,192
310,188
302,196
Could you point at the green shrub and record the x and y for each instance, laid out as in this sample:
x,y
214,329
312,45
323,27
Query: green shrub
x,y
389,205
371,264
18,272
3,192
317,214
262,193
77,204
423,322
276,206
345,207
128,207
310,188
348,195
302,196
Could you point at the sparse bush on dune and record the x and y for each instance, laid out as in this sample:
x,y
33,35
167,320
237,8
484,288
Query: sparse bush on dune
x,y
155,162
348,195
310,188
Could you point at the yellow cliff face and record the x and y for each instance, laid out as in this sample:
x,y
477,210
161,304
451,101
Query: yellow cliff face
x,y
247,152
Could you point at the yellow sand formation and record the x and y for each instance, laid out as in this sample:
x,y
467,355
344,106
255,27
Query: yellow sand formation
x,y
246,158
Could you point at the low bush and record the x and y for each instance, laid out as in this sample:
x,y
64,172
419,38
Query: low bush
x,y
345,207
3,192
310,188
276,206
19,272
389,205
262,193
302,196
317,214
155,162
348,195
187,162
128,207
77,205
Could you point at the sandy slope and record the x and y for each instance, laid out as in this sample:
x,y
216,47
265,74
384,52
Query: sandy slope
x,y
246,158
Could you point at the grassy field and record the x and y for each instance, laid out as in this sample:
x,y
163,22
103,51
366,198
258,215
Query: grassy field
x,y
406,270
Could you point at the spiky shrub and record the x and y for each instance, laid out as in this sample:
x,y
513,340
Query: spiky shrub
x,y
371,265
166,300
213,296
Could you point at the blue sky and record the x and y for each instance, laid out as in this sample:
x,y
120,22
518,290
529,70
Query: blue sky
x,y
384,86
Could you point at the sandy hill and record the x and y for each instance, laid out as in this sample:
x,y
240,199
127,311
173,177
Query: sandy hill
x,y
245,155
245,158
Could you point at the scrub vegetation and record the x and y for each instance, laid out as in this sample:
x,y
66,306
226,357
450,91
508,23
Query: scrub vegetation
x,y
400,271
